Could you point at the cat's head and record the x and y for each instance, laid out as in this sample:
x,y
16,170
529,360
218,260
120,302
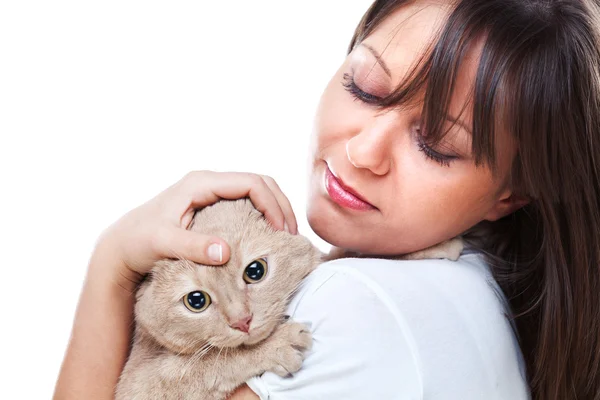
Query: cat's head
x,y
186,306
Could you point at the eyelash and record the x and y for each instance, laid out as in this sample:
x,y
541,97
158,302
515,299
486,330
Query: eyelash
x,y
355,91
441,159
350,86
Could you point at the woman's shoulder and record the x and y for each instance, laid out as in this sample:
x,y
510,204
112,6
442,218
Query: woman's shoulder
x,y
401,282
470,269
359,351
466,283
445,320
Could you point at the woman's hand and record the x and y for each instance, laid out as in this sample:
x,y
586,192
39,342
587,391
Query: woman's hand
x,y
158,228
127,250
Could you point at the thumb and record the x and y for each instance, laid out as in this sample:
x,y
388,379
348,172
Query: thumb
x,y
196,247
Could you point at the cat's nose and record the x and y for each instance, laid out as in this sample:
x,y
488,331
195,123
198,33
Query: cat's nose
x,y
243,324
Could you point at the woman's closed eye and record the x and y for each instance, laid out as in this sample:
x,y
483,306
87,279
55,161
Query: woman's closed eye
x,y
430,153
351,86
362,95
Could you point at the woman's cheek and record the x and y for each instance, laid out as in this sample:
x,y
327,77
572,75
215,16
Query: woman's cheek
x,y
428,189
338,118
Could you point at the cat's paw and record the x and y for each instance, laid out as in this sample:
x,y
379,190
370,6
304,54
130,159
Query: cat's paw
x,y
450,249
288,344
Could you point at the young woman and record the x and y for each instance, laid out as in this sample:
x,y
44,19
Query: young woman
x,y
478,118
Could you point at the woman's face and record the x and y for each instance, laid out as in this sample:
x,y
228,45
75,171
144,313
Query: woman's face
x,y
414,197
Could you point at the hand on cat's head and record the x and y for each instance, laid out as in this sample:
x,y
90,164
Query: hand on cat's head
x,y
158,228
186,306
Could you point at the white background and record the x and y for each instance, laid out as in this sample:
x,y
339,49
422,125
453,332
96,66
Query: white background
x,y
104,104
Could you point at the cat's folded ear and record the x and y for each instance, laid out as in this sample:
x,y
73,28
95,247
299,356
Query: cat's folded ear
x,y
143,286
147,279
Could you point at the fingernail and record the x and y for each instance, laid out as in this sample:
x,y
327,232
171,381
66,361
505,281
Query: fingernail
x,y
215,252
286,227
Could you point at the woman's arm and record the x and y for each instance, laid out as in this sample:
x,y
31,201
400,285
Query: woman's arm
x,y
244,393
128,250
100,339
101,333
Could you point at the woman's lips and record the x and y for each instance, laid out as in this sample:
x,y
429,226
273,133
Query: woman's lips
x,y
342,195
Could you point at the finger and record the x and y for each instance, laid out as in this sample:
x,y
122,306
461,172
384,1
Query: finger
x,y
207,187
202,249
284,203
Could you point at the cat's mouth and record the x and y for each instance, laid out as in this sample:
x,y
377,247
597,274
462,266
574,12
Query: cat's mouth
x,y
258,333
253,336
260,329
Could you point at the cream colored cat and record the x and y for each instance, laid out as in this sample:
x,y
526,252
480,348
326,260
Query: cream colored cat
x,y
202,331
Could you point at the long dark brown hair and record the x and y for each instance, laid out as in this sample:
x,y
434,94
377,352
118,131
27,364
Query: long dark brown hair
x,y
539,79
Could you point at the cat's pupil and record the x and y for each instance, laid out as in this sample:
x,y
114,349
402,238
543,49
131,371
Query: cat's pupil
x,y
196,300
255,271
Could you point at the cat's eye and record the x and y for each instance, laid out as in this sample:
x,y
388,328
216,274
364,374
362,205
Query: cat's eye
x,y
256,271
197,301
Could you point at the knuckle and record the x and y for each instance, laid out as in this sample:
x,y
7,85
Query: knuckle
x,y
189,176
257,181
194,176
268,179
272,182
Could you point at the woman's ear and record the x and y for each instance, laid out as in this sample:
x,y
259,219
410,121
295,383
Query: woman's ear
x,y
506,205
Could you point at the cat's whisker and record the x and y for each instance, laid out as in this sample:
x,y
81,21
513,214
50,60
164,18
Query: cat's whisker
x,y
181,258
269,319
226,352
215,364
275,320
206,351
195,358
185,367
189,264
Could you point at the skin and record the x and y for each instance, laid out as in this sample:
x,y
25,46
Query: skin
x,y
418,201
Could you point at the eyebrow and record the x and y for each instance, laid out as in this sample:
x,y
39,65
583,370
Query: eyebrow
x,y
378,58
458,122
386,69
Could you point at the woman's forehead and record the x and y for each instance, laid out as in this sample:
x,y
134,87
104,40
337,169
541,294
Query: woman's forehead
x,y
405,38
406,34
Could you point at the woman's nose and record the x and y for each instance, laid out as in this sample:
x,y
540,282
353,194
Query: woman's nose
x,y
372,147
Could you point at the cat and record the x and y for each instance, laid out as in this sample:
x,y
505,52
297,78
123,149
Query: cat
x,y
202,331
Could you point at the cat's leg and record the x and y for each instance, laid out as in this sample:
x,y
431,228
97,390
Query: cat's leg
x,y
281,353
450,249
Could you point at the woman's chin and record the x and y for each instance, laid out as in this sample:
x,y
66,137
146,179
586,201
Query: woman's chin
x,y
348,241
323,223
334,231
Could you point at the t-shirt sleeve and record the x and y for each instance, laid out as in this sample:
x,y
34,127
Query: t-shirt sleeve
x,y
362,349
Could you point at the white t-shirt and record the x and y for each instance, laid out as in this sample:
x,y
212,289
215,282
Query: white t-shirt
x,y
389,329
